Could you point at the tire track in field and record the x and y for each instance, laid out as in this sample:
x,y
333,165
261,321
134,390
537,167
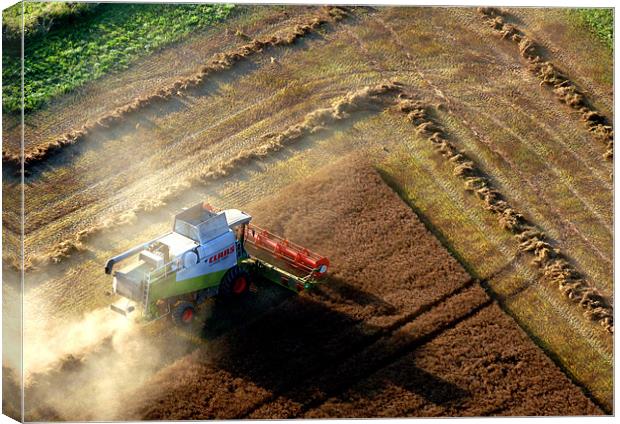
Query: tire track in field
x,y
585,332
604,179
352,350
589,159
368,97
382,352
567,58
565,90
179,88
549,259
565,223
409,57
590,208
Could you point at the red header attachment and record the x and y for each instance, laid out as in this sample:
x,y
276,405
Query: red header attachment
x,y
295,255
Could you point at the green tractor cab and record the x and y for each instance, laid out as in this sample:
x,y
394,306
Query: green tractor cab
x,y
205,256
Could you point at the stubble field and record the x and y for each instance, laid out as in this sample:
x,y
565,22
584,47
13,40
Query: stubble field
x,y
430,300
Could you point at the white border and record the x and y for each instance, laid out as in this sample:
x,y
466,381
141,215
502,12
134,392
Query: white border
x,y
532,3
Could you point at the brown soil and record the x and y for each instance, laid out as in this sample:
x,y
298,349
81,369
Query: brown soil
x,y
483,366
403,292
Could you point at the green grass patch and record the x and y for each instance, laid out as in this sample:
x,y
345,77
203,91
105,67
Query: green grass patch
x,y
107,40
40,17
600,22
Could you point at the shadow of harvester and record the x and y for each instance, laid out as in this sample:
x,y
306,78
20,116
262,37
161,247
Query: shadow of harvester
x,y
300,347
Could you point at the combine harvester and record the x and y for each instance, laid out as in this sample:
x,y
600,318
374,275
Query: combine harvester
x,y
205,256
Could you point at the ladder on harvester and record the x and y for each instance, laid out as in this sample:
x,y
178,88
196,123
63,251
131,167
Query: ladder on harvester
x,y
145,293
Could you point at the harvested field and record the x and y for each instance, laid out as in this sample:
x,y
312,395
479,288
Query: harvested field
x,y
565,89
221,62
287,362
453,375
483,194
555,268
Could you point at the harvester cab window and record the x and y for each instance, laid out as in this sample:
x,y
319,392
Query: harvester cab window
x,y
165,250
200,224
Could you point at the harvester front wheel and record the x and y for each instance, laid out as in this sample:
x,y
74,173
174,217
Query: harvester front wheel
x,y
183,313
235,283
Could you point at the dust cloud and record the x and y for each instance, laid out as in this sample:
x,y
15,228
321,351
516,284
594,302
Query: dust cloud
x,y
84,369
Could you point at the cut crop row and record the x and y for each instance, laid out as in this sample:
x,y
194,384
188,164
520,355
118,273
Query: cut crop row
x,y
565,89
179,88
555,267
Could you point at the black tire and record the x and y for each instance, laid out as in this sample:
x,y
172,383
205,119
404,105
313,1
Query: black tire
x,y
183,313
235,284
202,296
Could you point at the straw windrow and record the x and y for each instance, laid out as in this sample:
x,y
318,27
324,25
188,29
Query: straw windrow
x,y
565,89
314,121
553,264
221,62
